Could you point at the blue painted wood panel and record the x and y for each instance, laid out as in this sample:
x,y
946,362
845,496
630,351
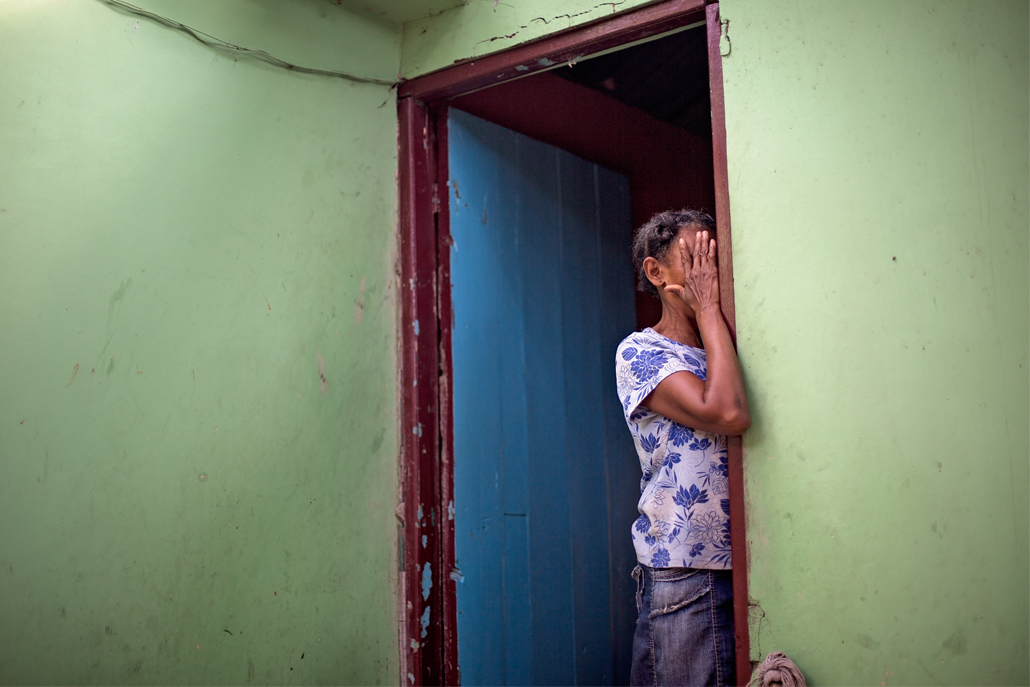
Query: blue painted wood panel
x,y
621,463
484,275
584,454
541,298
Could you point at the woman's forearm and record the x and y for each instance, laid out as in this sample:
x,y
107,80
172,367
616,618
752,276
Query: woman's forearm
x,y
724,384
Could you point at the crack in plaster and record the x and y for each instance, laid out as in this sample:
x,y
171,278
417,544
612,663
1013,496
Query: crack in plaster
x,y
545,21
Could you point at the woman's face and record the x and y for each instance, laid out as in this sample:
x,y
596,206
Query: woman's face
x,y
673,262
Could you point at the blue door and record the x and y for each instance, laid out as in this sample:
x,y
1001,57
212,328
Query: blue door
x,y
545,475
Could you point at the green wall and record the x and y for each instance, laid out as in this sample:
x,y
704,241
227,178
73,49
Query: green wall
x,y
485,26
879,187
189,244
879,190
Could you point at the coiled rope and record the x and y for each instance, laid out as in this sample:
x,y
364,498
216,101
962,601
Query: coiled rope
x,y
778,670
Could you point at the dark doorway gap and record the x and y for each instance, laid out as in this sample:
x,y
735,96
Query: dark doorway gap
x,y
666,77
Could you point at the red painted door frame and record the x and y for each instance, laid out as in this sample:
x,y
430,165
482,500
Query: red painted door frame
x,y
428,593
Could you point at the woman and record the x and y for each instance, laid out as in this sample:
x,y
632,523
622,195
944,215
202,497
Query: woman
x,y
682,393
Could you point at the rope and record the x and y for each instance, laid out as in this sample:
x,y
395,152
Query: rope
x,y
777,670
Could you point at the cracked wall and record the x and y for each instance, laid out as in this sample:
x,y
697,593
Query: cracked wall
x,y
485,26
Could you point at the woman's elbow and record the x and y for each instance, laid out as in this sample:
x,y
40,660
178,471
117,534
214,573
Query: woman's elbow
x,y
736,421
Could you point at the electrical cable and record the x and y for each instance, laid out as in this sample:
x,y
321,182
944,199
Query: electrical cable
x,y
219,44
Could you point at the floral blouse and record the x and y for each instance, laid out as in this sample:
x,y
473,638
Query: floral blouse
x,y
684,501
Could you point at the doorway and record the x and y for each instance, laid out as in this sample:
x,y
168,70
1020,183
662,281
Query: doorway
x,y
513,574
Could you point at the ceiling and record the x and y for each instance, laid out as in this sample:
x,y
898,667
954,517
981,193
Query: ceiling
x,y
400,11
667,78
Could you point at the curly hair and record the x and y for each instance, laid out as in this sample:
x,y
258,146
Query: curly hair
x,y
653,239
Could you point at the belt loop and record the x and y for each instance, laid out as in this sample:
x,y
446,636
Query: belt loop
x,y
638,575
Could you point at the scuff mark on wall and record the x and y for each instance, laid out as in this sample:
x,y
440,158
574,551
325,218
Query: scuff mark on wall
x,y
116,298
359,304
75,371
956,644
755,621
321,374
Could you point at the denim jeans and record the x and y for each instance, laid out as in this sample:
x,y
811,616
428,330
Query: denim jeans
x,y
684,632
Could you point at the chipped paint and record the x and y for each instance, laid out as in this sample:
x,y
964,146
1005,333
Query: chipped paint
x,y
427,581
425,622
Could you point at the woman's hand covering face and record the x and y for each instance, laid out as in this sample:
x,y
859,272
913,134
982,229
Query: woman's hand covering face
x,y
701,275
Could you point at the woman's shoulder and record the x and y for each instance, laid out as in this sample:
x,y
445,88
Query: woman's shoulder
x,y
650,347
644,337
637,341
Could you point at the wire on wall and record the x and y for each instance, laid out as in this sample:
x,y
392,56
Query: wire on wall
x,y
219,44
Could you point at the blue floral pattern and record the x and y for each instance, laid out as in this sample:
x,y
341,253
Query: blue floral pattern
x,y
684,504
643,525
680,435
649,443
648,364
660,558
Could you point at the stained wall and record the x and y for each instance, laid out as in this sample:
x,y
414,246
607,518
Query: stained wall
x,y
198,440
879,191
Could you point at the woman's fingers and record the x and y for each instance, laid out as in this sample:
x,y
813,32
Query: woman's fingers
x,y
697,251
711,251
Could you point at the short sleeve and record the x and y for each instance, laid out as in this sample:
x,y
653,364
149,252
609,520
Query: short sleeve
x,y
641,363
